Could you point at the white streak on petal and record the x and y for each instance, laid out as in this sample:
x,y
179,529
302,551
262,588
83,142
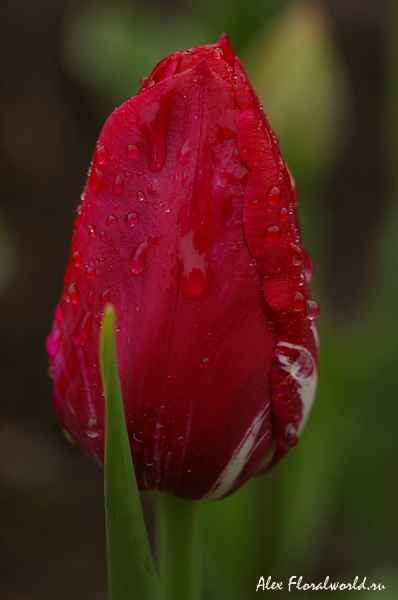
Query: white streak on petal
x,y
304,372
239,458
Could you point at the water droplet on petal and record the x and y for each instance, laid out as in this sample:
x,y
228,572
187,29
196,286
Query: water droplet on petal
x,y
152,122
73,293
291,436
284,215
104,298
313,310
274,195
131,219
77,258
91,230
94,429
95,180
194,283
217,53
101,155
309,268
83,328
272,233
140,196
118,186
298,304
138,258
111,221
90,273
298,255
184,154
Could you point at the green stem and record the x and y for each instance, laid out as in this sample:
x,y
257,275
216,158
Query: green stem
x,y
178,546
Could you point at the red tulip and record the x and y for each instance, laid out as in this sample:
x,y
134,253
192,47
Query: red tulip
x,y
188,225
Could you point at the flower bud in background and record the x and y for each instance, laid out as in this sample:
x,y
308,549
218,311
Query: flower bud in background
x,y
188,225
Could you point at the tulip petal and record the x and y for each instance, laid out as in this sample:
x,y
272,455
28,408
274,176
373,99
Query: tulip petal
x,y
188,225
273,237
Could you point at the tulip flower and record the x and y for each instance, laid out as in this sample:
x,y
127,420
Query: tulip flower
x,y
188,225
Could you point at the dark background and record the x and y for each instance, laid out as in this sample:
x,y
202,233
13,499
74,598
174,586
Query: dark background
x,y
327,74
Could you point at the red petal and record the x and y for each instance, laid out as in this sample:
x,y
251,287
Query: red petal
x,y
188,226
273,237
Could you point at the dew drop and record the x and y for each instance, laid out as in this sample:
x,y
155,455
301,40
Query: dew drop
x,y
77,258
255,203
73,293
217,53
274,195
104,298
111,221
83,328
94,429
101,155
284,215
290,436
118,186
140,175
132,151
90,273
91,298
298,304
272,233
184,154
103,236
131,219
153,124
298,255
140,196
309,268
205,361
95,180
194,283
91,230
138,258
313,310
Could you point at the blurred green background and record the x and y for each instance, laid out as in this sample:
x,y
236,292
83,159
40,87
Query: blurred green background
x,y
326,72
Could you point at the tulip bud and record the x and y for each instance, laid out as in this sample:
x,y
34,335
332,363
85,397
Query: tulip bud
x,y
189,226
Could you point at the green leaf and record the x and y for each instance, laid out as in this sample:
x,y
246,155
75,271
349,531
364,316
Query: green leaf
x,y
131,572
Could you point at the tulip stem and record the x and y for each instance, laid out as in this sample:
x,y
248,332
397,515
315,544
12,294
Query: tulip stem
x,y
178,547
